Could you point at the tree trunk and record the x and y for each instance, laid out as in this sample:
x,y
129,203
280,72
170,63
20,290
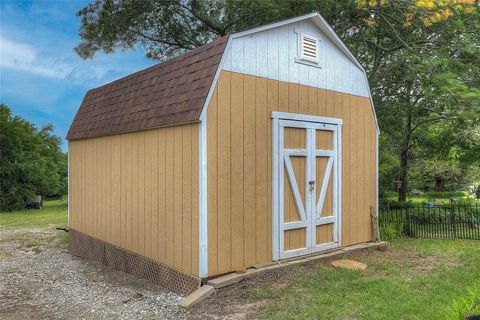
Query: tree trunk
x,y
404,159
403,176
439,185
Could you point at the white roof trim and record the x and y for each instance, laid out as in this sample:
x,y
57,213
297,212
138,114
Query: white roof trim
x,y
274,25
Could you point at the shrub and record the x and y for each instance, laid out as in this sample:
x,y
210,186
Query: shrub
x,y
391,231
444,195
461,306
32,161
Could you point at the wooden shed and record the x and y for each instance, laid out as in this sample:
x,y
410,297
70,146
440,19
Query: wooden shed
x,y
257,147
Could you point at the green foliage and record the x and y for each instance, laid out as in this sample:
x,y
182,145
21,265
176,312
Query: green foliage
x,y
444,195
476,191
31,161
168,28
467,304
391,231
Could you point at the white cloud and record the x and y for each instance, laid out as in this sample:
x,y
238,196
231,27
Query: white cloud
x,y
24,57
61,62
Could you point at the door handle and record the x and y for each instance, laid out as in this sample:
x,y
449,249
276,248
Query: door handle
x,y
312,185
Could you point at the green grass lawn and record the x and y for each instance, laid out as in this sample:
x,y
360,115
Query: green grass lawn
x,y
52,214
414,279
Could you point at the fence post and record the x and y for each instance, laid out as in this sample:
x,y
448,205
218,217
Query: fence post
x,y
407,224
452,220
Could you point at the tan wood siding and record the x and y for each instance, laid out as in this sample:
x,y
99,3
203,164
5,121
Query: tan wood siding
x,y
239,144
139,191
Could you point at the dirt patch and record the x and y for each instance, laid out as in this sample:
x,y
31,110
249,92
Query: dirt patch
x,y
239,300
39,279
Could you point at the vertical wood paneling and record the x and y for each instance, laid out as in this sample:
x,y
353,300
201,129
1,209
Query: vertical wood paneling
x,y
346,158
224,175
194,190
162,191
187,199
236,183
240,154
261,159
177,198
249,172
116,212
353,183
134,246
139,191
169,201
150,144
362,201
272,105
212,180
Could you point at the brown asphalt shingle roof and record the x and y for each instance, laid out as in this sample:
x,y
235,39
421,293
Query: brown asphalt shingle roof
x,y
168,93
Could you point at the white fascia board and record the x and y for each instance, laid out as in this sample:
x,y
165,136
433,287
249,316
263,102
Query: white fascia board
x,y
274,25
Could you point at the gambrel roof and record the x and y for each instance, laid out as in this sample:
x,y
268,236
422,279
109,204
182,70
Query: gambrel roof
x,y
167,93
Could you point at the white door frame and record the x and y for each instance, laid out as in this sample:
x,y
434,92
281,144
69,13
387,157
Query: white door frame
x,y
301,120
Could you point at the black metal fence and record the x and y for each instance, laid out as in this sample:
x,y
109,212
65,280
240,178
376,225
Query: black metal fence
x,y
441,222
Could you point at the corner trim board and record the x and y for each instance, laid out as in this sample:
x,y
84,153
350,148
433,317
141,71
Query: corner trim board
x,y
68,185
276,191
202,193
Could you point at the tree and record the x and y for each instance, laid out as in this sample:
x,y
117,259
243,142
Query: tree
x,y
169,27
31,161
421,56
421,62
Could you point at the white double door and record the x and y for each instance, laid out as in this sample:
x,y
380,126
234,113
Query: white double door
x,y
308,187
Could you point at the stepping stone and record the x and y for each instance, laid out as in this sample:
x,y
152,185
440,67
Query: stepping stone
x,y
349,264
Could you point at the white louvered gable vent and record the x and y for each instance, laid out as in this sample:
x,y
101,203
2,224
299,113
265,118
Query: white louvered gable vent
x,y
308,48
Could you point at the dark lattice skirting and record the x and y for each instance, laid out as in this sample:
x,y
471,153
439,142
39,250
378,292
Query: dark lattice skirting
x,y
90,248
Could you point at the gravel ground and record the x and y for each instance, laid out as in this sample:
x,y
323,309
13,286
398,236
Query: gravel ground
x,y
40,280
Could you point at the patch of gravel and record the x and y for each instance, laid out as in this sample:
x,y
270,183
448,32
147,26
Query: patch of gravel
x,y
39,279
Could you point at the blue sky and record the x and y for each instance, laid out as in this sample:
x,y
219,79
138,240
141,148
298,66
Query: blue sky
x,y
41,77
